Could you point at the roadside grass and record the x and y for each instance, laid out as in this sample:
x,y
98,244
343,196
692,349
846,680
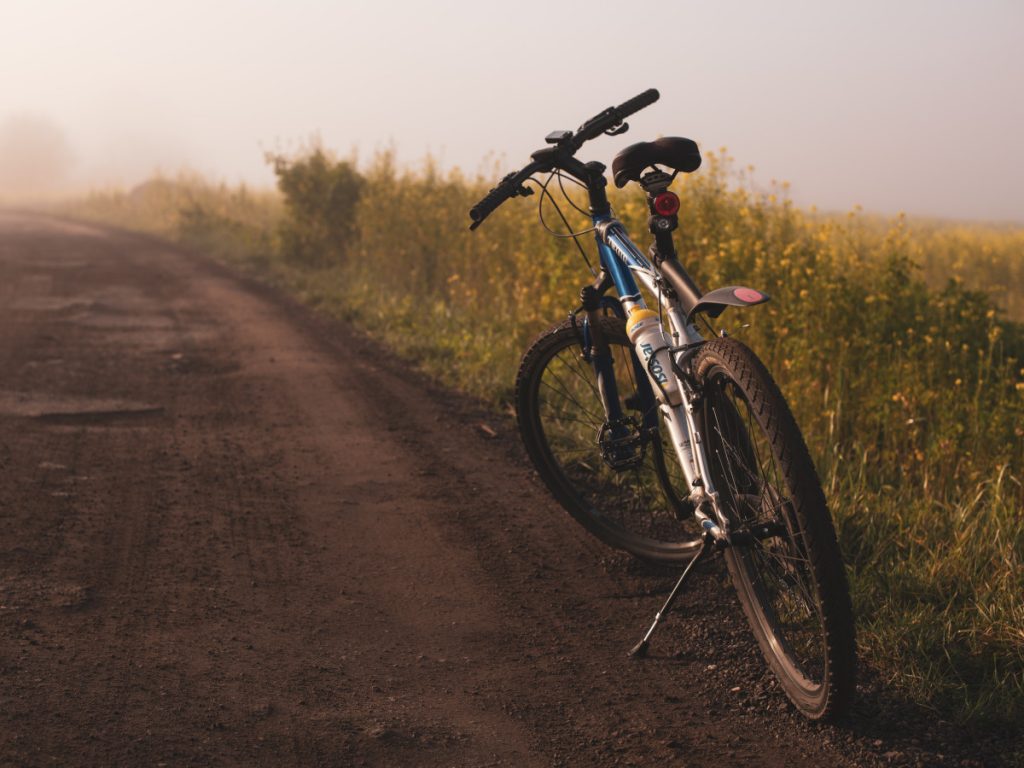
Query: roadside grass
x,y
905,375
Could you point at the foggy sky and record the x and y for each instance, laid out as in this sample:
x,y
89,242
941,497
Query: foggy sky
x,y
915,106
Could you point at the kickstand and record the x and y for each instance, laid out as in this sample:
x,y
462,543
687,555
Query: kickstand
x,y
640,649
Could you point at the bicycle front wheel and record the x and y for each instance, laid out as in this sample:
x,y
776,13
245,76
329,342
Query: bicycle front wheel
x,y
624,485
789,574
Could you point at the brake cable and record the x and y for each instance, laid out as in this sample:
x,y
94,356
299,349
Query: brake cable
x,y
545,192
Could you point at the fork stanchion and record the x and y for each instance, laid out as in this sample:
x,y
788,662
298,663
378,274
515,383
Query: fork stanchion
x,y
640,649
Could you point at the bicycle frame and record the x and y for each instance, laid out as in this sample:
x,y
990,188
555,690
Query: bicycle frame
x,y
697,389
625,264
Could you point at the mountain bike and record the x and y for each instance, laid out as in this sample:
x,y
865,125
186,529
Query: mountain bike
x,y
671,445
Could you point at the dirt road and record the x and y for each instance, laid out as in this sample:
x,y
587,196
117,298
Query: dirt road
x,y
233,534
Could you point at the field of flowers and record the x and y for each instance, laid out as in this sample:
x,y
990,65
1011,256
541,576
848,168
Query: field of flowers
x,y
897,342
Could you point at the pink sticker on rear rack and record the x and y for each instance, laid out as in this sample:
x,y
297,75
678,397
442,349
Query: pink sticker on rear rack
x,y
749,295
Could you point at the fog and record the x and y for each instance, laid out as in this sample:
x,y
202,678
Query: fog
x,y
35,157
912,106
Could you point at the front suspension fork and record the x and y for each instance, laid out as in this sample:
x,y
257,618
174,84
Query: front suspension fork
x,y
596,350
595,347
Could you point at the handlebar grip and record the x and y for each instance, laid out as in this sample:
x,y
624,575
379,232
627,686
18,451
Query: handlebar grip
x,y
491,200
645,99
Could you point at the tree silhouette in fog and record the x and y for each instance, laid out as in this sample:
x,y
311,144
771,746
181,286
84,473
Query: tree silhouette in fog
x,y
35,157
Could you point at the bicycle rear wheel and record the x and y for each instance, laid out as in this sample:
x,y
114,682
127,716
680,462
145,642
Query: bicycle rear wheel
x,y
789,577
636,504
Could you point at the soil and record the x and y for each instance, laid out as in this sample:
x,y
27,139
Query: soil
x,y
235,533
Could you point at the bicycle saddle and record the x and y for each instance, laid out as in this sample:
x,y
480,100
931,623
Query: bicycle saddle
x,y
677,153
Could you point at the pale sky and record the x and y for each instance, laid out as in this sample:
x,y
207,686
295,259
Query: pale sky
x,y
915,106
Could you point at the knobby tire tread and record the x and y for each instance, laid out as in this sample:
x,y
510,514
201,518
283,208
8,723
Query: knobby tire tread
x,y
773,414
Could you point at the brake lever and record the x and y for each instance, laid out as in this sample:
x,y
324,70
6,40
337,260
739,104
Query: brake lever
x,y
521,191
617,130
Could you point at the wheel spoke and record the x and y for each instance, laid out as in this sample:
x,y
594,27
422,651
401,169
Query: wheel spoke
x,y
564,391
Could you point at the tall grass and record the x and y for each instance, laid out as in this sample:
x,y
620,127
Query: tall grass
x,y
909,384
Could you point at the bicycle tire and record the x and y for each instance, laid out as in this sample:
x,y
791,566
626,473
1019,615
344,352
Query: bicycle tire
x,y
560,416
790,580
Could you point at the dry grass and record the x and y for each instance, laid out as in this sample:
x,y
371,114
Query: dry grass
x,y
908,384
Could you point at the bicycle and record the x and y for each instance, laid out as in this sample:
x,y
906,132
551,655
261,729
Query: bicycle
x,y
670,445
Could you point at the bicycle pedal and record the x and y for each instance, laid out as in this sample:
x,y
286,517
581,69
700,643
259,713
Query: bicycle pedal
x,y
622,444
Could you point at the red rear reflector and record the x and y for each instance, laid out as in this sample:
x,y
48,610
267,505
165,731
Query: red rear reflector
x,y
667,204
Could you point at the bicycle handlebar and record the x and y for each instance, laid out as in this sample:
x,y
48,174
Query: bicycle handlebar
x,y
638,102
490,202
613,116
611,120
510,186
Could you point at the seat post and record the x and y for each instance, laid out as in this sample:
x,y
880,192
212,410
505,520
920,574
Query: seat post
x,y
661,225
663,252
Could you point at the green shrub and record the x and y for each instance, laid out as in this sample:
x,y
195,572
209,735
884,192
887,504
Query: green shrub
x,y
320,197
